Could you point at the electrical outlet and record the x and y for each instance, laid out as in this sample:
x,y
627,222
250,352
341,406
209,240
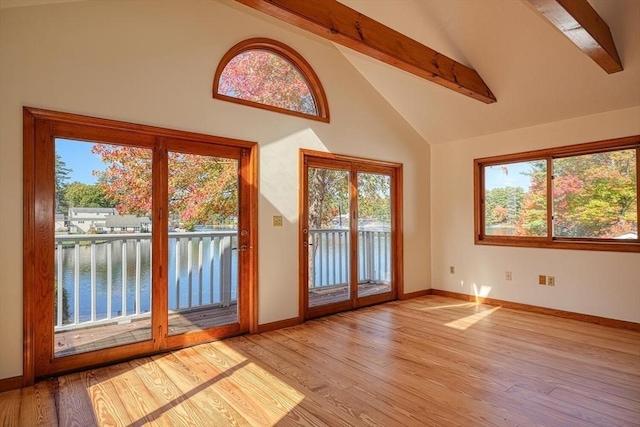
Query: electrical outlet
x,y
551,281
542,280
507,275
277,220
452,270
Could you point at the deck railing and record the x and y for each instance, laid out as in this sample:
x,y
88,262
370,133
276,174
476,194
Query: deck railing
x,y
330,249
106,278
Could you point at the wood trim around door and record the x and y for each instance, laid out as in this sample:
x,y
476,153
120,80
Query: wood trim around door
x,y
352,164
39,128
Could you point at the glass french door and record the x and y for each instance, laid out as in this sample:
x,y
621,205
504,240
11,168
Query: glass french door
x,y
142,242
348,236
203,239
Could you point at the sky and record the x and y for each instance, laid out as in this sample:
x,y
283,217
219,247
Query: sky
x,y
495,176
78,157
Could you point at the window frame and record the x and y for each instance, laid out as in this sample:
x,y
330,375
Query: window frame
x,y
550,241
290,55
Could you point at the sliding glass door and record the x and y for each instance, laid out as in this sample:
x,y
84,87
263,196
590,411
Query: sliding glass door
x,y
140,239
349,233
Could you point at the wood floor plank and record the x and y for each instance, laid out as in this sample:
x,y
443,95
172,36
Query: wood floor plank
x,y
10,402
109,409
74,404
38,406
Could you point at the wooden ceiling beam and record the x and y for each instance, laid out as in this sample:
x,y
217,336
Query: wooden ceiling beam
x,y
584,27
343,25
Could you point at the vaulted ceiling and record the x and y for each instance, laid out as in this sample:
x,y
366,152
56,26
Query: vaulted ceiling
x,y
536,74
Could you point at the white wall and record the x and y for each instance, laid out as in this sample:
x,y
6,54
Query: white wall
x,y
153,63
597,283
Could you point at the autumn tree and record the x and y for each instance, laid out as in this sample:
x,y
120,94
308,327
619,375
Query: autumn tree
x,y
595,195
267,78
533,215
126,180
202,189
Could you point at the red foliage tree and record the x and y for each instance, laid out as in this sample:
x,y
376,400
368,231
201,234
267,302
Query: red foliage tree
x,y
202,189
267,78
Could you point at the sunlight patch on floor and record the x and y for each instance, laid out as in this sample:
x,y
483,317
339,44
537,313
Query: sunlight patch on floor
x,y
439,307
471,320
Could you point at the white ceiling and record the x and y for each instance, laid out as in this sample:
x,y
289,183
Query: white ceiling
x,y
535,72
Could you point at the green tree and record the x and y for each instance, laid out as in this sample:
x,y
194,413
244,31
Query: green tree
x,y
78,194
503,205
374,197
60,181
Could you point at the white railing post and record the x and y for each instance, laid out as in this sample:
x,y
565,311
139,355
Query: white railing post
x,y
93,281
60,308
225,270
109,280
177,273
211,275
189,271
138,276
124,278
76,283
200,262
370,256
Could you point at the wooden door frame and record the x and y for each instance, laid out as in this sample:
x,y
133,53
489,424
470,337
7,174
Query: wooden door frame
x,y
361,165
39,127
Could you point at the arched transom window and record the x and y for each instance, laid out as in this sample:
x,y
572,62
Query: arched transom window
x,y
268,74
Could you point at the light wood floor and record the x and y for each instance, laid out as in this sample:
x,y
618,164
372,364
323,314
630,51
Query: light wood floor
x,y
429,361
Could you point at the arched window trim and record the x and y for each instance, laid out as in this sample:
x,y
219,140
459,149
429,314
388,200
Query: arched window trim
x,y
281,49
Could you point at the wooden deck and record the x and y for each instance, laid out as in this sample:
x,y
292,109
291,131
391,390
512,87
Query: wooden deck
x,y
324,296
430,361
92,338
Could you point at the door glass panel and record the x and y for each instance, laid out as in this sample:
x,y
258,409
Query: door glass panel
x,y
203,242
374,234
102,256
328,236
